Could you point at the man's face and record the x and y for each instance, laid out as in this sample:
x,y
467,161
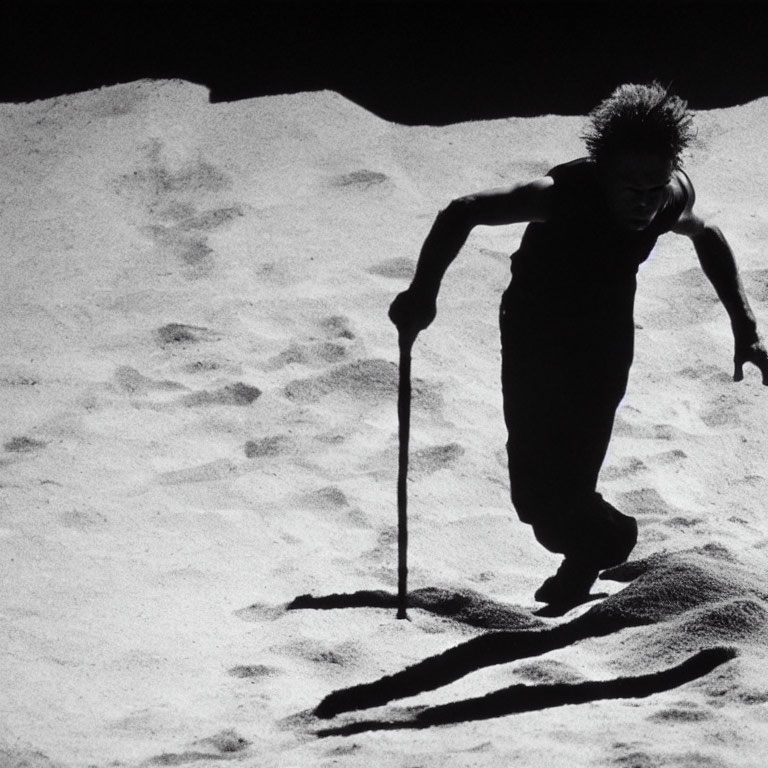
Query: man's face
x,y
634,183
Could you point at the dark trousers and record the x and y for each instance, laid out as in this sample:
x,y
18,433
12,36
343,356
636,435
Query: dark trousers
x,y
562,384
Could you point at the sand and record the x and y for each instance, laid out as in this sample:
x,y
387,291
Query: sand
x,y
199,427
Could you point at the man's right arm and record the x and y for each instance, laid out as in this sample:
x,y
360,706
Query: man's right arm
x,y
414,309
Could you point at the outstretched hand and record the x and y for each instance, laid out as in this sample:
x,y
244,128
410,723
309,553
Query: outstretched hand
x,y
412,312
754,353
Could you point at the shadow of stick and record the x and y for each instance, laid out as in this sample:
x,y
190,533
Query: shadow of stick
x,y
471,608
523,698
453,664
465,606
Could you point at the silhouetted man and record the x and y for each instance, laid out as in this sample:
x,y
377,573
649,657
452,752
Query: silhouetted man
x,y
567,325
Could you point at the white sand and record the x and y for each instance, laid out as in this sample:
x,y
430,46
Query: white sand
x,y
198,384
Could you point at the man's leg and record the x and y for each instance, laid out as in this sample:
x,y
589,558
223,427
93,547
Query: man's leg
x,y
553,469
558,438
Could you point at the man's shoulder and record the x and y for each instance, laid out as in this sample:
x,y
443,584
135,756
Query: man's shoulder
x,y
576,194
682,186
573,169
686,221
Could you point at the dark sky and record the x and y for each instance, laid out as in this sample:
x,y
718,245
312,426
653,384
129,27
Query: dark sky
x,y
414,61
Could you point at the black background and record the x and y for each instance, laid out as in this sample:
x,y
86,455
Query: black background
x,y
412,61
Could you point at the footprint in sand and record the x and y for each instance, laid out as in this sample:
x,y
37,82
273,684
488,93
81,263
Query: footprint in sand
x,y
23,444
83,519
224,745
169,197
203,366
192,251
330,438
213,363
318,353
644,501
18,757
337,327
186,239
333,659
664,432
260,612
253,671
628,466
374,381
332,499
629,756
399,268
684,712
161,184
237,394
213,471
674,456
426,461
189,220
722,413
129,380
181,334
265,447
756,281
19,380
548,671
334,348
651,509
386,541
226,742
682,522
710,374
624,427
360,179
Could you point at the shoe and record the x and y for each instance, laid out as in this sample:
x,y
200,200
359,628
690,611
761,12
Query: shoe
x,y
570,584
611,541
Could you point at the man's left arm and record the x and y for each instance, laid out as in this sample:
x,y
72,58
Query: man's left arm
x,y
719,265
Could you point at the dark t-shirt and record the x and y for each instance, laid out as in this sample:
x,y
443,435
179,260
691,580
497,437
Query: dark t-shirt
x,y
574,276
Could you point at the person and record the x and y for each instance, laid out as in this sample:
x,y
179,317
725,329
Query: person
x,y
566,319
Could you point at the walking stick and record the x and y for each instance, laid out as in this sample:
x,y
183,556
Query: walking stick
x,y
405,341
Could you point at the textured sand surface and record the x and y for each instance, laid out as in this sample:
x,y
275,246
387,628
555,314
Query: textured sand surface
x,y
198,386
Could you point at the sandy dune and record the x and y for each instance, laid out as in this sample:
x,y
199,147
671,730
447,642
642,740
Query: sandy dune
x,y
198,384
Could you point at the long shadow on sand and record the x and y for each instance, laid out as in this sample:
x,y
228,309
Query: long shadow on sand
x,y
691,592
528,698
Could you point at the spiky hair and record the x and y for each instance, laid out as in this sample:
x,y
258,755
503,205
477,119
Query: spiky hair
x,y
640,117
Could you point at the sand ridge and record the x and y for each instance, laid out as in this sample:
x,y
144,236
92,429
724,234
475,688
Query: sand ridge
x,y
199,454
